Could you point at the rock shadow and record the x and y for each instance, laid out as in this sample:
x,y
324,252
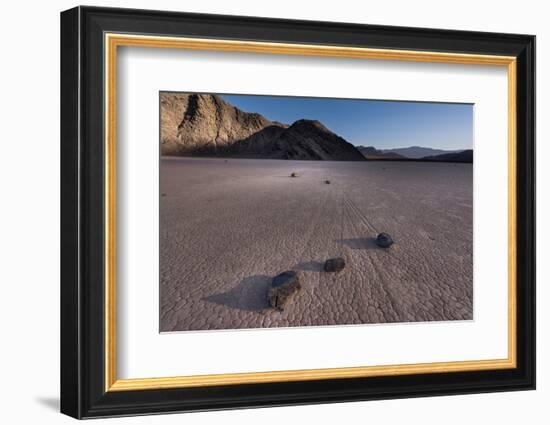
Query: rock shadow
x,y
249,295
310,266
360,243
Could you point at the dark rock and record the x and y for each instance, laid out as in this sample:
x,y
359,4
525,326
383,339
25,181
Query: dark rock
x,y
327,181
163,194
384,240
284,288
335,264
294,174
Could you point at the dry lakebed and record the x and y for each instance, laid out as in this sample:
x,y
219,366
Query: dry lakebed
x,y
229,226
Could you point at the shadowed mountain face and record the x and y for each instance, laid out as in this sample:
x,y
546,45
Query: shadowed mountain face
x,y
303,140
206,125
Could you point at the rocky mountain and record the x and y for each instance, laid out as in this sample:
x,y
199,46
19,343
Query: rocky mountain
x,y
370,152
206,125
202,123
303,140
466,156
417,152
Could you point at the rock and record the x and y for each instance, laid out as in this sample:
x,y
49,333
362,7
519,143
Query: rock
x,y
335,264
283,289
327,181
384,240
294,174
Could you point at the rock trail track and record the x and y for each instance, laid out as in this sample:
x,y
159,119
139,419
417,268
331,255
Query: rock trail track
x,y
228,227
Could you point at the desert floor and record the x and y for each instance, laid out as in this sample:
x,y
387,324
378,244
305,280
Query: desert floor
x,y
228,227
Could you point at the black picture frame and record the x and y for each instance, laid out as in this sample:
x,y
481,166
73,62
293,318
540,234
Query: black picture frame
x,y
83,392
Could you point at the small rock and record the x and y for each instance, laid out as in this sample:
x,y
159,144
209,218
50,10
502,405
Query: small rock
x,y
384,240
294,174
335,264
283,289
163,194
327,181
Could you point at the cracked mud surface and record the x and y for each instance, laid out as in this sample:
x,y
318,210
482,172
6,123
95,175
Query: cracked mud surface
x,y
227,228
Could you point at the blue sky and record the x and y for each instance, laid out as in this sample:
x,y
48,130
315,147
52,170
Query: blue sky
x,y
382,124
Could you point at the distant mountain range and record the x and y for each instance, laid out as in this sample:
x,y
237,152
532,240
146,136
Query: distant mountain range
x,y
461,156
206,125
370,152
416,153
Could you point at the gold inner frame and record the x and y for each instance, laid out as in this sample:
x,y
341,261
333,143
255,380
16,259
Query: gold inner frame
x,y
113,41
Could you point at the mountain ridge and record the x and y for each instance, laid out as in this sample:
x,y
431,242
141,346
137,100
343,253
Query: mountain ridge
x,y
370,152
417,152
466,156
373,154
207,125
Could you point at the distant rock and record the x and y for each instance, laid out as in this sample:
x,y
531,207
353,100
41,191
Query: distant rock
x,y
384,240
327,181
335,264
284,288
206,125
294,174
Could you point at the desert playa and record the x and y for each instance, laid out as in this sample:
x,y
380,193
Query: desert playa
x,y
230,225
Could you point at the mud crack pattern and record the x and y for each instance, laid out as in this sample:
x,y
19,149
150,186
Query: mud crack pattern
x,y
228,227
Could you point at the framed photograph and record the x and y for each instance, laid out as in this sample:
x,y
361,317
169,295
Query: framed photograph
x,y
261,212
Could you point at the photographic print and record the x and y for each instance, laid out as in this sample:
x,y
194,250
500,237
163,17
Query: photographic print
x,y
315,206
280,211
